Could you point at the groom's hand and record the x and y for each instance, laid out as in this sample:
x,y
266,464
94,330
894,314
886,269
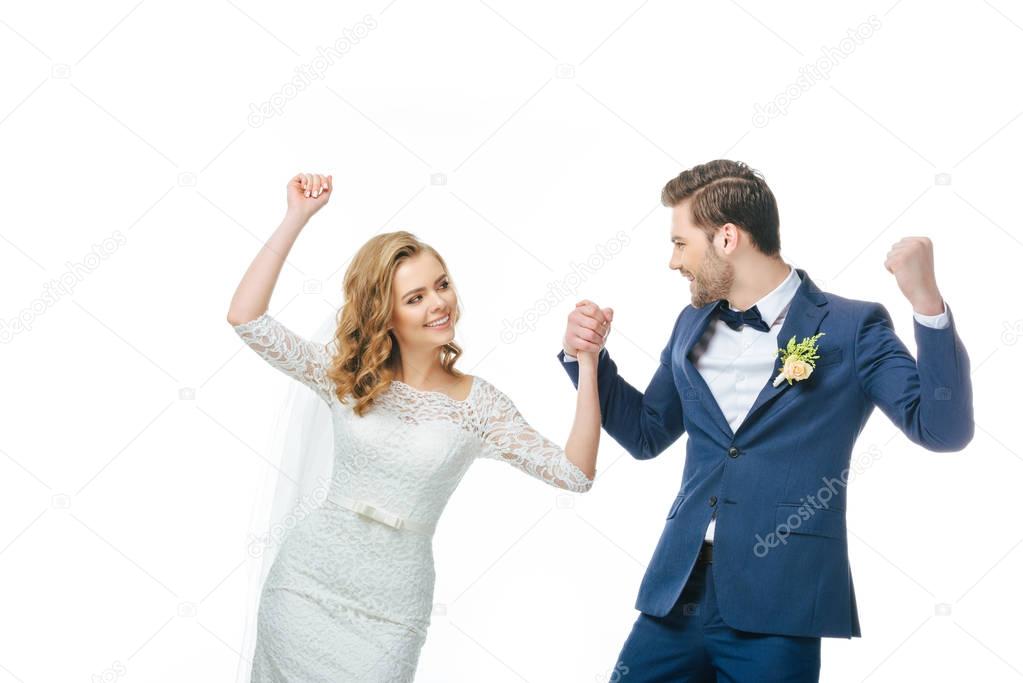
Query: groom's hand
x,y
911,261
587,329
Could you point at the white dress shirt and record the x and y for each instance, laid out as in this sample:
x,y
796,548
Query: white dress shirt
x,y
736,364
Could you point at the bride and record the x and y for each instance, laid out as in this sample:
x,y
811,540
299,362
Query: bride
x,y
350,591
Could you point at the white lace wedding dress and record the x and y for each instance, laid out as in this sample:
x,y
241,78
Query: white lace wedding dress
x,y
350,593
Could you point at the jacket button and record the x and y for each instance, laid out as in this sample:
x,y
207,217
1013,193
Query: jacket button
x,y
733,452
713,501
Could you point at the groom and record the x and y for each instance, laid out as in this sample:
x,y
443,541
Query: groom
x,y
752,568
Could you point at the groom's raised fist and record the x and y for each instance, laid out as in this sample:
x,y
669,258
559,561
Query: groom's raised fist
x,y
587,329
911,261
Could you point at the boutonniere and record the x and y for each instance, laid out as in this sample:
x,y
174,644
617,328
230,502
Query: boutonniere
x,y
798,359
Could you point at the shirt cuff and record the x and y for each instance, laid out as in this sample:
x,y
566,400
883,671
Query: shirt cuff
x,y
938,322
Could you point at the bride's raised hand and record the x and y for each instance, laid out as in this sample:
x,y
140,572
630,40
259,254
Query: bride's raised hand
x,y
589,359
308,193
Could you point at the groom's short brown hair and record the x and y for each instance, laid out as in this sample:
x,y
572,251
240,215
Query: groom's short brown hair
x,y
724,191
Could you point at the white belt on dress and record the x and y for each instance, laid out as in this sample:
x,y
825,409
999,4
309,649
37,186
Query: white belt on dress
x,y
383,516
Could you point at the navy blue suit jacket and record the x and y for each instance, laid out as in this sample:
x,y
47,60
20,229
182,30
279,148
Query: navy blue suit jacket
x,y
778,483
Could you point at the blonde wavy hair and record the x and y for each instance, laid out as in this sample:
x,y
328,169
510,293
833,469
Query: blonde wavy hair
x,y
367,350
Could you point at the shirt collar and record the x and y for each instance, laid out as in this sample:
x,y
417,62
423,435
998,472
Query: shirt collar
x,y
775,303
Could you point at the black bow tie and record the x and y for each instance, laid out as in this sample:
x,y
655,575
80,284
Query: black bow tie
x,y
736,319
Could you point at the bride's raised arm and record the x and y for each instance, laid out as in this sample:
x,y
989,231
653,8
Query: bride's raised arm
x,y
509,437
297,357
294,355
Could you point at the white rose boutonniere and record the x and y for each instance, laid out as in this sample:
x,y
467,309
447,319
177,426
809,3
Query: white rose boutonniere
x,y
798,359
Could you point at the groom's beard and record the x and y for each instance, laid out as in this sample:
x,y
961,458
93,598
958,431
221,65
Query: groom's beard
x,y
713,281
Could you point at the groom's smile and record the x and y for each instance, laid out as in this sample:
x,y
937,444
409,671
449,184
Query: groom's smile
x,y
695,256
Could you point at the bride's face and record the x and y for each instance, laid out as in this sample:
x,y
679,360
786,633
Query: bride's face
x,y
423,295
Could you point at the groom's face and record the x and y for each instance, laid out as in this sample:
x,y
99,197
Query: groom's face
x,y
696,258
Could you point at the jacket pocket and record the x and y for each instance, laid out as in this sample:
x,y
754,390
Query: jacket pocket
x,y
675,505
829,357
794,518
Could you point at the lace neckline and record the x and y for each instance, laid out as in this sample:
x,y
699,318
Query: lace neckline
x,y
440,394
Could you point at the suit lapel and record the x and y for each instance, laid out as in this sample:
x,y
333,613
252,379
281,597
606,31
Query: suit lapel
x,y
805,315
704,317
803,319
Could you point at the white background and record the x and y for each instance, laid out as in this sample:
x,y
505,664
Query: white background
x,y
135,420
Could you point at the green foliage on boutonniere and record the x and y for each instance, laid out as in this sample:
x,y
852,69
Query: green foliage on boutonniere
x,y
798,360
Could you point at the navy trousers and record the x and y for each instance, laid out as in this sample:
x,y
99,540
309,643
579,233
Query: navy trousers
x,y
692,644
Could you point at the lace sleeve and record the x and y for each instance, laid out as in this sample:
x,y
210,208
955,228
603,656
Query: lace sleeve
x,y
290,353
508,437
